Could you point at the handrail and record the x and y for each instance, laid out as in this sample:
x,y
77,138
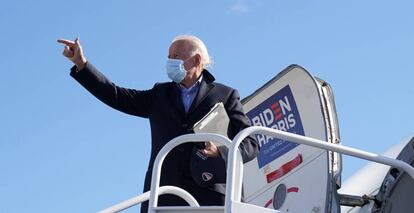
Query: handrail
x,y
231,170
231,180
156,170
145,196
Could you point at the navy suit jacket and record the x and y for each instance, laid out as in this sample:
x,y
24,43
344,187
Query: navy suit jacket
x,y
163,106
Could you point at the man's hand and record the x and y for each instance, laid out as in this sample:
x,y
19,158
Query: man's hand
x,y
73,51
211,150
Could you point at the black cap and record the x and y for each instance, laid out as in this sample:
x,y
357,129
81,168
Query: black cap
x,y
207,171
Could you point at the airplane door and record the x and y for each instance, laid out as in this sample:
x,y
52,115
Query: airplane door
x,y
287,176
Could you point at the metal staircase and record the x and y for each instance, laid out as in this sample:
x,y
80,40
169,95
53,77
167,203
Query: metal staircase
x,y
234,172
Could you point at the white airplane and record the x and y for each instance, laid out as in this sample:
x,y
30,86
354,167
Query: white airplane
x,y
299,166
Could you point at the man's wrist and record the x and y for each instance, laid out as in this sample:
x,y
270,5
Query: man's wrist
x,y
81,64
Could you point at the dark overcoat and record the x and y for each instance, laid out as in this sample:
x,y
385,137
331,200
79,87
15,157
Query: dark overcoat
x,y
163,106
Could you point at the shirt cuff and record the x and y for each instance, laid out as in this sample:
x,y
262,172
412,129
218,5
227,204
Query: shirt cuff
x,y
74,70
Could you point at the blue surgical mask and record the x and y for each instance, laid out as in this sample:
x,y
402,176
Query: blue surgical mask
x,y
176,70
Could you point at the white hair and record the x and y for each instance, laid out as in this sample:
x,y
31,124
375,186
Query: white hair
x,y
200,48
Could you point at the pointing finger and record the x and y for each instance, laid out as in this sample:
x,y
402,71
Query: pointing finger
x,y
66,42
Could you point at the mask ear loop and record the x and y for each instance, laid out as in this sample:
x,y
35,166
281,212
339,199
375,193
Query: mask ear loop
x,y
185,61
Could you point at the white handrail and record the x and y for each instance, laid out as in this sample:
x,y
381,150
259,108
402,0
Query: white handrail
x,y
231,170
156,170
232,194
145,196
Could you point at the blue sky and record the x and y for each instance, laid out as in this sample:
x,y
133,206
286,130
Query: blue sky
x,y
61,150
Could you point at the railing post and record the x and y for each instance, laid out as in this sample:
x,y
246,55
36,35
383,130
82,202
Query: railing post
x,y
156,170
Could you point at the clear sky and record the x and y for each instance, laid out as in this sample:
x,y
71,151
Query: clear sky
x,y
62,150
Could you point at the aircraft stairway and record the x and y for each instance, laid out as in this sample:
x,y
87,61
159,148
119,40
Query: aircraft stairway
x,y
235,168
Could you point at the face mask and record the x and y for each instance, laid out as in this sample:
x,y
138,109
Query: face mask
x,y
176,70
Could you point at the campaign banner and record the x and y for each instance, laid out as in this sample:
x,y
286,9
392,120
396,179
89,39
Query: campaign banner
x,y
280,112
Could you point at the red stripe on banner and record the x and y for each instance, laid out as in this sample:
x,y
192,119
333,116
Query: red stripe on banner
x,y
284,169
268,203
278,116
277,110
293,189
275,105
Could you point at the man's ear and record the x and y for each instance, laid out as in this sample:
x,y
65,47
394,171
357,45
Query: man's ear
x,y
197,61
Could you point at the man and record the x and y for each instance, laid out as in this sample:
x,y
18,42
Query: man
x,y
172,109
